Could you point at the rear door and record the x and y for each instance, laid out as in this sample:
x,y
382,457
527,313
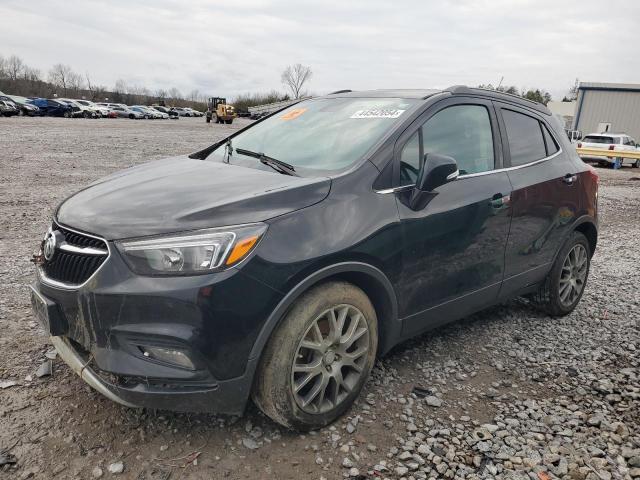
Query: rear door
x,y
453,252
545,198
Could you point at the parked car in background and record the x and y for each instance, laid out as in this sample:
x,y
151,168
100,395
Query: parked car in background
x,y
83,110
124,111
54,108
183,112
147,112
194,113
615,145
168,111
279,262
101,110
8,108
22,104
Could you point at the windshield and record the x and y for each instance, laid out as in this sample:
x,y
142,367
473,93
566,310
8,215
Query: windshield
x,y
321,134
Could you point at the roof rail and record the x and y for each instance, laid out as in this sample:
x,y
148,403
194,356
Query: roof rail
x,y
339,91
464,90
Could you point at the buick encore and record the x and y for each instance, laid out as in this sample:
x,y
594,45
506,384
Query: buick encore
x,y
278,263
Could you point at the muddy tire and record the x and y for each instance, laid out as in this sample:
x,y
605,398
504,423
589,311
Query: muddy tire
x,y
561,291
229,122
318,358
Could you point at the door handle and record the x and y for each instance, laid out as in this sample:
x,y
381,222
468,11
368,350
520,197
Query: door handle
x,y
499,200
570,178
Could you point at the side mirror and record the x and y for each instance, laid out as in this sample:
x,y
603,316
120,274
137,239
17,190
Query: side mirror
x,y
436,171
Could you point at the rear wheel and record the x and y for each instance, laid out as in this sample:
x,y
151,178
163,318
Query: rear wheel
x,y
318,358
67,114
636,164
564,286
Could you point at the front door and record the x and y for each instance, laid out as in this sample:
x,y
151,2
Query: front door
x,y
453,255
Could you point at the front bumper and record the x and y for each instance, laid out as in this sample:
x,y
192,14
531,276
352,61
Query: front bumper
x,y
225,397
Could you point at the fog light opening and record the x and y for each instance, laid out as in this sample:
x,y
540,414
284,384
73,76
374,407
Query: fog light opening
x,y
168,355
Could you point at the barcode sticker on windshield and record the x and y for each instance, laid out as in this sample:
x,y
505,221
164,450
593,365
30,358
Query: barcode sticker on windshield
x,y
378,113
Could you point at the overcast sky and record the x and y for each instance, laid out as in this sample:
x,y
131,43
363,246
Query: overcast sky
x,y
230,47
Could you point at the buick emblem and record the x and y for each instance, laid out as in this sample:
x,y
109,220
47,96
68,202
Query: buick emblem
x,y
49,245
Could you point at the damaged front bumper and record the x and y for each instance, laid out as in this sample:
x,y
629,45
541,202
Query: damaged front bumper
x,y
78,365
227,396
108,328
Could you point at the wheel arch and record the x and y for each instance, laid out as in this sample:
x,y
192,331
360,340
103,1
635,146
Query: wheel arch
x,y
370,279
587,226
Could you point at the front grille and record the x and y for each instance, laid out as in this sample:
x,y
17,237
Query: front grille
x,y
76,257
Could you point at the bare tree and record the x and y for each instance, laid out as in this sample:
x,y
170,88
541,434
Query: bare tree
x,y
75,82
3,67
14,67
31,74
174,93
60,75
160,94
294,77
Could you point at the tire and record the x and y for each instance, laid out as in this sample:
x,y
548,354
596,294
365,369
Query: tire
x,y
551,295
273,390
86,114
229,122
208,119
636,164
132,116
67,115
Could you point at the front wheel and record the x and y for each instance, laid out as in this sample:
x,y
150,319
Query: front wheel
x,y
564,286
229,122
319,357
636,164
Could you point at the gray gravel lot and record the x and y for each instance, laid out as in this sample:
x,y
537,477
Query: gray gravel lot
x,y
507,393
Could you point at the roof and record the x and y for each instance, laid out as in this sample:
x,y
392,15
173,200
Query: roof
x,y
454,90
613,87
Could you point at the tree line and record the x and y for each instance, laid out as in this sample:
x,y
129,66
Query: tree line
x,y
18,78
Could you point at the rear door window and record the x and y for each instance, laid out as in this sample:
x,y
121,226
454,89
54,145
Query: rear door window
x,y
524,135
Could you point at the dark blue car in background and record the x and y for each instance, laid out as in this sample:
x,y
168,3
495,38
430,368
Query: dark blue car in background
x,y
53,108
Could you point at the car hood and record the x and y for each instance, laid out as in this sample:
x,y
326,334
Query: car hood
x,y
179,194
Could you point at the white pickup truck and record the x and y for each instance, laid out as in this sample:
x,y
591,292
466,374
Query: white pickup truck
x,y
613,143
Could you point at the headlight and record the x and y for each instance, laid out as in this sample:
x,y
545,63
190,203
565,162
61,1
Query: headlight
x,y
191,253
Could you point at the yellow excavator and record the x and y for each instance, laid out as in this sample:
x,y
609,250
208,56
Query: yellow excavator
x,y
220,111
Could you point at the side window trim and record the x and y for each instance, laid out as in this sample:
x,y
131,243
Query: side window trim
x,y
505,142
416,125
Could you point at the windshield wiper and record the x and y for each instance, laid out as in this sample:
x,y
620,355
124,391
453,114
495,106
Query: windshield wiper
x,y
274,163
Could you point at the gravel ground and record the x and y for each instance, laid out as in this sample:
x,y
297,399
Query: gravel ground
x,y
506,393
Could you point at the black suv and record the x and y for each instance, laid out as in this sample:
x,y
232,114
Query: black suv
x,y
278,263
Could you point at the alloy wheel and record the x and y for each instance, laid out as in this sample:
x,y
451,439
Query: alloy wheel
x,y
330,359
573,275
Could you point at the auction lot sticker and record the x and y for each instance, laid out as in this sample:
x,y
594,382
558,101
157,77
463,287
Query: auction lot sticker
x,y
295,113
378,113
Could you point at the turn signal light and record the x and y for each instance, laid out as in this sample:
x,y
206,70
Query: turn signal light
x,y
241,249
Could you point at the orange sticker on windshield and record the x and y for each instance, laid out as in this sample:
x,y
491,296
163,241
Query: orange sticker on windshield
x,y
295,113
